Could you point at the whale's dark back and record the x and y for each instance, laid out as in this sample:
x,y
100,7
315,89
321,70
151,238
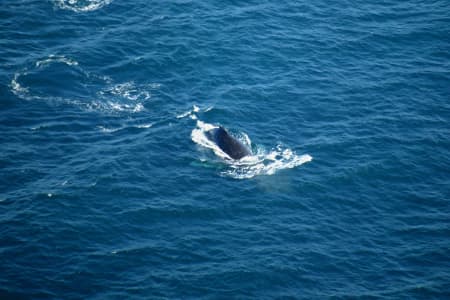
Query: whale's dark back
x,y
231,146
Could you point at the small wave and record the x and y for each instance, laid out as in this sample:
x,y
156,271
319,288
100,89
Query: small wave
x,y
81,5
260,163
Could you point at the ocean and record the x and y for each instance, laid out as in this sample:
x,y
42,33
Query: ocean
x,y
110,188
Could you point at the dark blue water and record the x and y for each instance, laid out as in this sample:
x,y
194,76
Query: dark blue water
x,y
109,191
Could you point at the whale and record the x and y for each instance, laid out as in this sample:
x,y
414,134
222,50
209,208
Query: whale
x,y
227,143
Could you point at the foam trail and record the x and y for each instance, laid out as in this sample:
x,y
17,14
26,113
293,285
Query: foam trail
x,y
22,91
56,58
191,113
16,88
108,97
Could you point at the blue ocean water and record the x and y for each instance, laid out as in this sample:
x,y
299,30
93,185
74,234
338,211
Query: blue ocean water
x,y
108,189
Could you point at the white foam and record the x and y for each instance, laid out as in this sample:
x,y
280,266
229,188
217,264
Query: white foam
x,y
129,91
191,113
260,163
205,126
16,88
81,5
198,136
126,107
108,130
23,91
115,106
56,58
123,97
183,115
39,127
112,130
195,108
144,125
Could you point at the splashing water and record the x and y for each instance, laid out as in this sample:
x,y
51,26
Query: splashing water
x,y
262,162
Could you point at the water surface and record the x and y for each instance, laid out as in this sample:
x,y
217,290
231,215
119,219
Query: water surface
x,y
108,191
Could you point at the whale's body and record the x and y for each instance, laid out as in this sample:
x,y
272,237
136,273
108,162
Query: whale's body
x,y
228,144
